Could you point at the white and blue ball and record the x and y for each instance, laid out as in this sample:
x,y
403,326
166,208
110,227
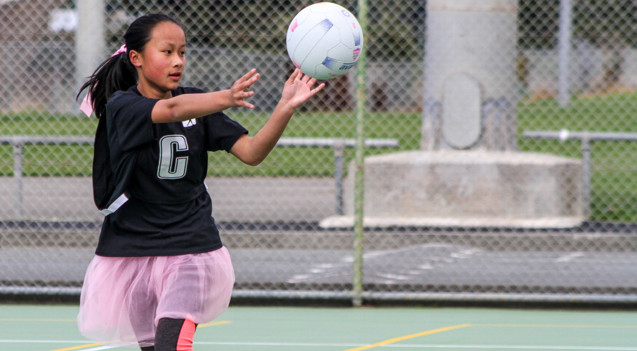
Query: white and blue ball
x,y
324,40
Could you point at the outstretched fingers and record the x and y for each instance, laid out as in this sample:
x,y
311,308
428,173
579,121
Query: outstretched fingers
x,y
249,74
312,81
318,88
246,104
299,88
297,75
294,76
248,79
241,89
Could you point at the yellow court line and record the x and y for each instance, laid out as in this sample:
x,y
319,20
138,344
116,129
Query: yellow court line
x,y
79,347
211,324
428,332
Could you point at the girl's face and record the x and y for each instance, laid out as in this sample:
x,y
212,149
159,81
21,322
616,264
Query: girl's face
x,y
160,66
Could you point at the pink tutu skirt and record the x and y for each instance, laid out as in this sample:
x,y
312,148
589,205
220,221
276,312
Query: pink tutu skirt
x,y
123,298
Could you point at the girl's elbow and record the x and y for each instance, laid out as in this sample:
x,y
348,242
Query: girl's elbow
x,y
253,161
163,113
244,149
174,114
248,159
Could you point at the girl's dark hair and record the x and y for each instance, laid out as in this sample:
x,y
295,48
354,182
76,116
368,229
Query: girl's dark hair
x,y
117,72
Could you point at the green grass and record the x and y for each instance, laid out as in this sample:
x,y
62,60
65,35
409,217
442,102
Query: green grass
x,y
614,189
614,192
54,160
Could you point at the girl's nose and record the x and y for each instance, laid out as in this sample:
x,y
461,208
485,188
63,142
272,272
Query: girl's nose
x,y
179,61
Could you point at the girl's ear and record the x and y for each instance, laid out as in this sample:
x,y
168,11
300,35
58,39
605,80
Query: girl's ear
x,y
135,58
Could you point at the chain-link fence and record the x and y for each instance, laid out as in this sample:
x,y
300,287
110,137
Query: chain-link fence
x,y
536,97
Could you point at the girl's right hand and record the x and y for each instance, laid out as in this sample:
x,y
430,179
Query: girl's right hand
x,y
240,90
299,88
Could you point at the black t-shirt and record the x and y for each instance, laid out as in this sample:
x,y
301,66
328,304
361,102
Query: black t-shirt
x,y
149,178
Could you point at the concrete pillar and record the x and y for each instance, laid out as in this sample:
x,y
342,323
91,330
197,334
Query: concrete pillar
x,y
470,81
89,39
468,172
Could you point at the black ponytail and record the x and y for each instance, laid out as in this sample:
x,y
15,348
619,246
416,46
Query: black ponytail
x,y
117,72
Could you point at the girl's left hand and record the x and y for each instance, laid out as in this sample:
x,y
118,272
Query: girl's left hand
x,y
298,89
240,90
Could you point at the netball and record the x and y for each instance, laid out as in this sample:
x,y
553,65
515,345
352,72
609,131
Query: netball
x,y
324,40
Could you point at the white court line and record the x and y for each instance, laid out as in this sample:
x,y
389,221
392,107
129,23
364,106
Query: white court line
x,y
42,342
520,347
402,346
104,347
319,270
421,346
570,257
65,342
432,346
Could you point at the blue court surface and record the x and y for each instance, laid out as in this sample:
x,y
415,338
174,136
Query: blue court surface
x,y
53,328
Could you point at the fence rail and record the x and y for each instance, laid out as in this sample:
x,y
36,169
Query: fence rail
x,y
337,144
586,139
512,71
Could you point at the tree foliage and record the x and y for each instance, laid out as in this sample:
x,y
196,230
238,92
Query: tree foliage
x,y
603,23
396,28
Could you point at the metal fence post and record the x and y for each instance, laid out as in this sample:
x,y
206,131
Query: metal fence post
x,y
359,160
17,176
586,175
339,159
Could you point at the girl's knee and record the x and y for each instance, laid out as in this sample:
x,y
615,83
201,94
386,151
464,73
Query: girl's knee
x,y
174,334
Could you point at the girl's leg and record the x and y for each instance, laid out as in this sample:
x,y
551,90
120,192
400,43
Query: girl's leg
x,y
141,309
174,334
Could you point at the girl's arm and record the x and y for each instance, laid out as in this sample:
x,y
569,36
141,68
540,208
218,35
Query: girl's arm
x,y
296,91
188,106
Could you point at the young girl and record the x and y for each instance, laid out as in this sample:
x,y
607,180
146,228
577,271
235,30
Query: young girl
x,y
160,267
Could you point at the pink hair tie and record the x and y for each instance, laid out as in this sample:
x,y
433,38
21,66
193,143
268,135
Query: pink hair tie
x,y
122,49
87,103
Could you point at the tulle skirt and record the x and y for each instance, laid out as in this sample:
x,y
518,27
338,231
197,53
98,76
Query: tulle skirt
x,y
123,298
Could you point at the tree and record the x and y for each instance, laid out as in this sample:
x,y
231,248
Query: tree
x,y
396,28
608,25
611,26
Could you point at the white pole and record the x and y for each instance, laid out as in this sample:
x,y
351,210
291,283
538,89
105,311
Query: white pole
x,y
89,37
564,48
470,62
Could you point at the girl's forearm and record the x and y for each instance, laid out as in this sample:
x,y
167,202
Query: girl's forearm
x,y
271,132
253,150
188,106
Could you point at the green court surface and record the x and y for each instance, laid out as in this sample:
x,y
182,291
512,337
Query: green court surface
x,y
52,327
